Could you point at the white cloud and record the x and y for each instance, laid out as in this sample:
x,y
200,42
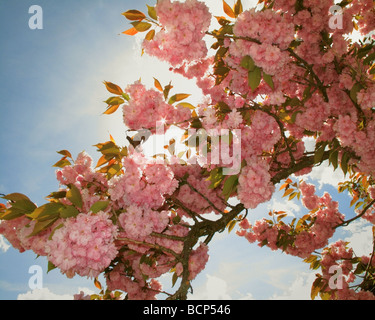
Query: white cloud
x,y
47,294
289,207
248,296
325,175
4,246
360,237
299,290
214,288
43,294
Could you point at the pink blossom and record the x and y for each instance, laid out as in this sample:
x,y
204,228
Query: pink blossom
x,y
255,186
184,25
84,245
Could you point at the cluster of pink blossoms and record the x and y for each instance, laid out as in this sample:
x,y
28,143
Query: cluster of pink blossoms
x,y
134,284
366,98
82,175
325,216
267,26
193,200
261,135
309,199
17,232
338,255
183,27
84,245
147,107
362,142
254,184
275,34
366,9
143,184
138,223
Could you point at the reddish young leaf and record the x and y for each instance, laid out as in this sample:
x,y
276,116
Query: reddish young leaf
x,y
113,88
130,32
228,10
158,85
111,109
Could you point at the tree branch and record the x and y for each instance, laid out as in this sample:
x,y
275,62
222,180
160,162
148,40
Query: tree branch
x,y
310,67
345,223
150,245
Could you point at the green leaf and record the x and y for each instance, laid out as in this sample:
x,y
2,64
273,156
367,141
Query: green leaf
x,y
353,92
216,177
62,163
24,205
125,96
46,211
166,90
141,26
99,206
307,93
74,196
230,186
268,79
178,97
316,287
231,225
238,9
311,258
369,59
292,195
248,63
65,153
114,101
288,192
12,213
333,158
220,53
113,170
108,148
254,78
186,105
43,225
344,162
50,266
150,35
15,197
318,156
152,12
134,15
68,212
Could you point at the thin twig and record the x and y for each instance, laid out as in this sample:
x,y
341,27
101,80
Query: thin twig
x,y
150,245
203,196
345,223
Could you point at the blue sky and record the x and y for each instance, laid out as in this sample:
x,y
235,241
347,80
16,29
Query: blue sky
x,y
52,96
